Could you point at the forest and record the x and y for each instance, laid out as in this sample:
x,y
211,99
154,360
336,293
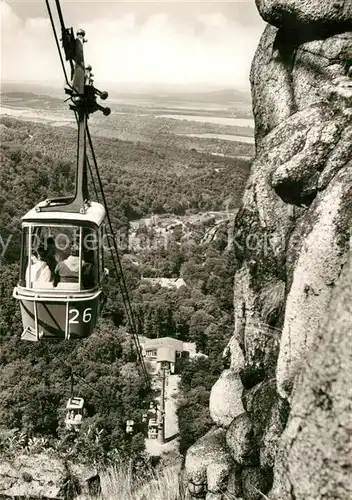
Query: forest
x,y
139,180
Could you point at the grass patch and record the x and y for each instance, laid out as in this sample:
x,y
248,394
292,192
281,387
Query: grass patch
x,y
119,482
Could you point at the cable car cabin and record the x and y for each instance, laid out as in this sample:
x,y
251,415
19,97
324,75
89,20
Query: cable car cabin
x,y
62,271
152,428
129,426
74,413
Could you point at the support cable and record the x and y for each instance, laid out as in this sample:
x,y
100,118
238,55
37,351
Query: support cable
x,y
93,181
59,12
73,373
57,40
90,170
118,268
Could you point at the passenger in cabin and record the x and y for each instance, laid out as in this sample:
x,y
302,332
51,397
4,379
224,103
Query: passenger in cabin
x,y
78,418
39,271
88,271
67,271
70,415
53,254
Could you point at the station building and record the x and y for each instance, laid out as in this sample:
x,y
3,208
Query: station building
x,y
164,351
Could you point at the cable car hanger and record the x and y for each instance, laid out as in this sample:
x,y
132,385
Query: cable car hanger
x,y
83,96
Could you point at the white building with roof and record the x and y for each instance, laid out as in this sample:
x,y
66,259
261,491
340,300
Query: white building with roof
x,y
165,282
165,350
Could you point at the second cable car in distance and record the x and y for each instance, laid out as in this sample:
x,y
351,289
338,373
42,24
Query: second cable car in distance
x,y
74,414
62,261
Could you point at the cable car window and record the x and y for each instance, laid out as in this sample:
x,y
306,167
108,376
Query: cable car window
x,y
37,271
62,257
64,252
90,258
54,257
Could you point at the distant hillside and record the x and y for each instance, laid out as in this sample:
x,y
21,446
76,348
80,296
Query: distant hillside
x,y
225,96
229,95
33,88
146,92
23,95
22,99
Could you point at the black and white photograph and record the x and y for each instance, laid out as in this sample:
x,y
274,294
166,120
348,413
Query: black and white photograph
x,y
175,250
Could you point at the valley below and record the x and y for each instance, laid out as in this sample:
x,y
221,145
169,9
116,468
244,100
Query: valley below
x,y
173,172
222,127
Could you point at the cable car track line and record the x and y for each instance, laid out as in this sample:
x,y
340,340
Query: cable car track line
x,y
90,171
59,12
74,374
119,271
56,38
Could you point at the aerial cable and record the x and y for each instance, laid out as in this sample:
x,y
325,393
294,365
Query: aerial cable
x,y
93,181
118,270
72,380
57,41
59,12
66,33
73,374
90,170
119,273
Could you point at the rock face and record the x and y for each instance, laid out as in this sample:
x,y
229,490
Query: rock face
x,y
43,476
326,16
225,398
208,464
289,357
315,449
316,271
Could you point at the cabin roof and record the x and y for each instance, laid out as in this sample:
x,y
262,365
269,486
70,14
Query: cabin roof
x,y
95,213
75,403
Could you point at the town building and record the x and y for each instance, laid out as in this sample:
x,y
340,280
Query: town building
x,y
165,282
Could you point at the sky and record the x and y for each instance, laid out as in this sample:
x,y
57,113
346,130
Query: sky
x,y
178,42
